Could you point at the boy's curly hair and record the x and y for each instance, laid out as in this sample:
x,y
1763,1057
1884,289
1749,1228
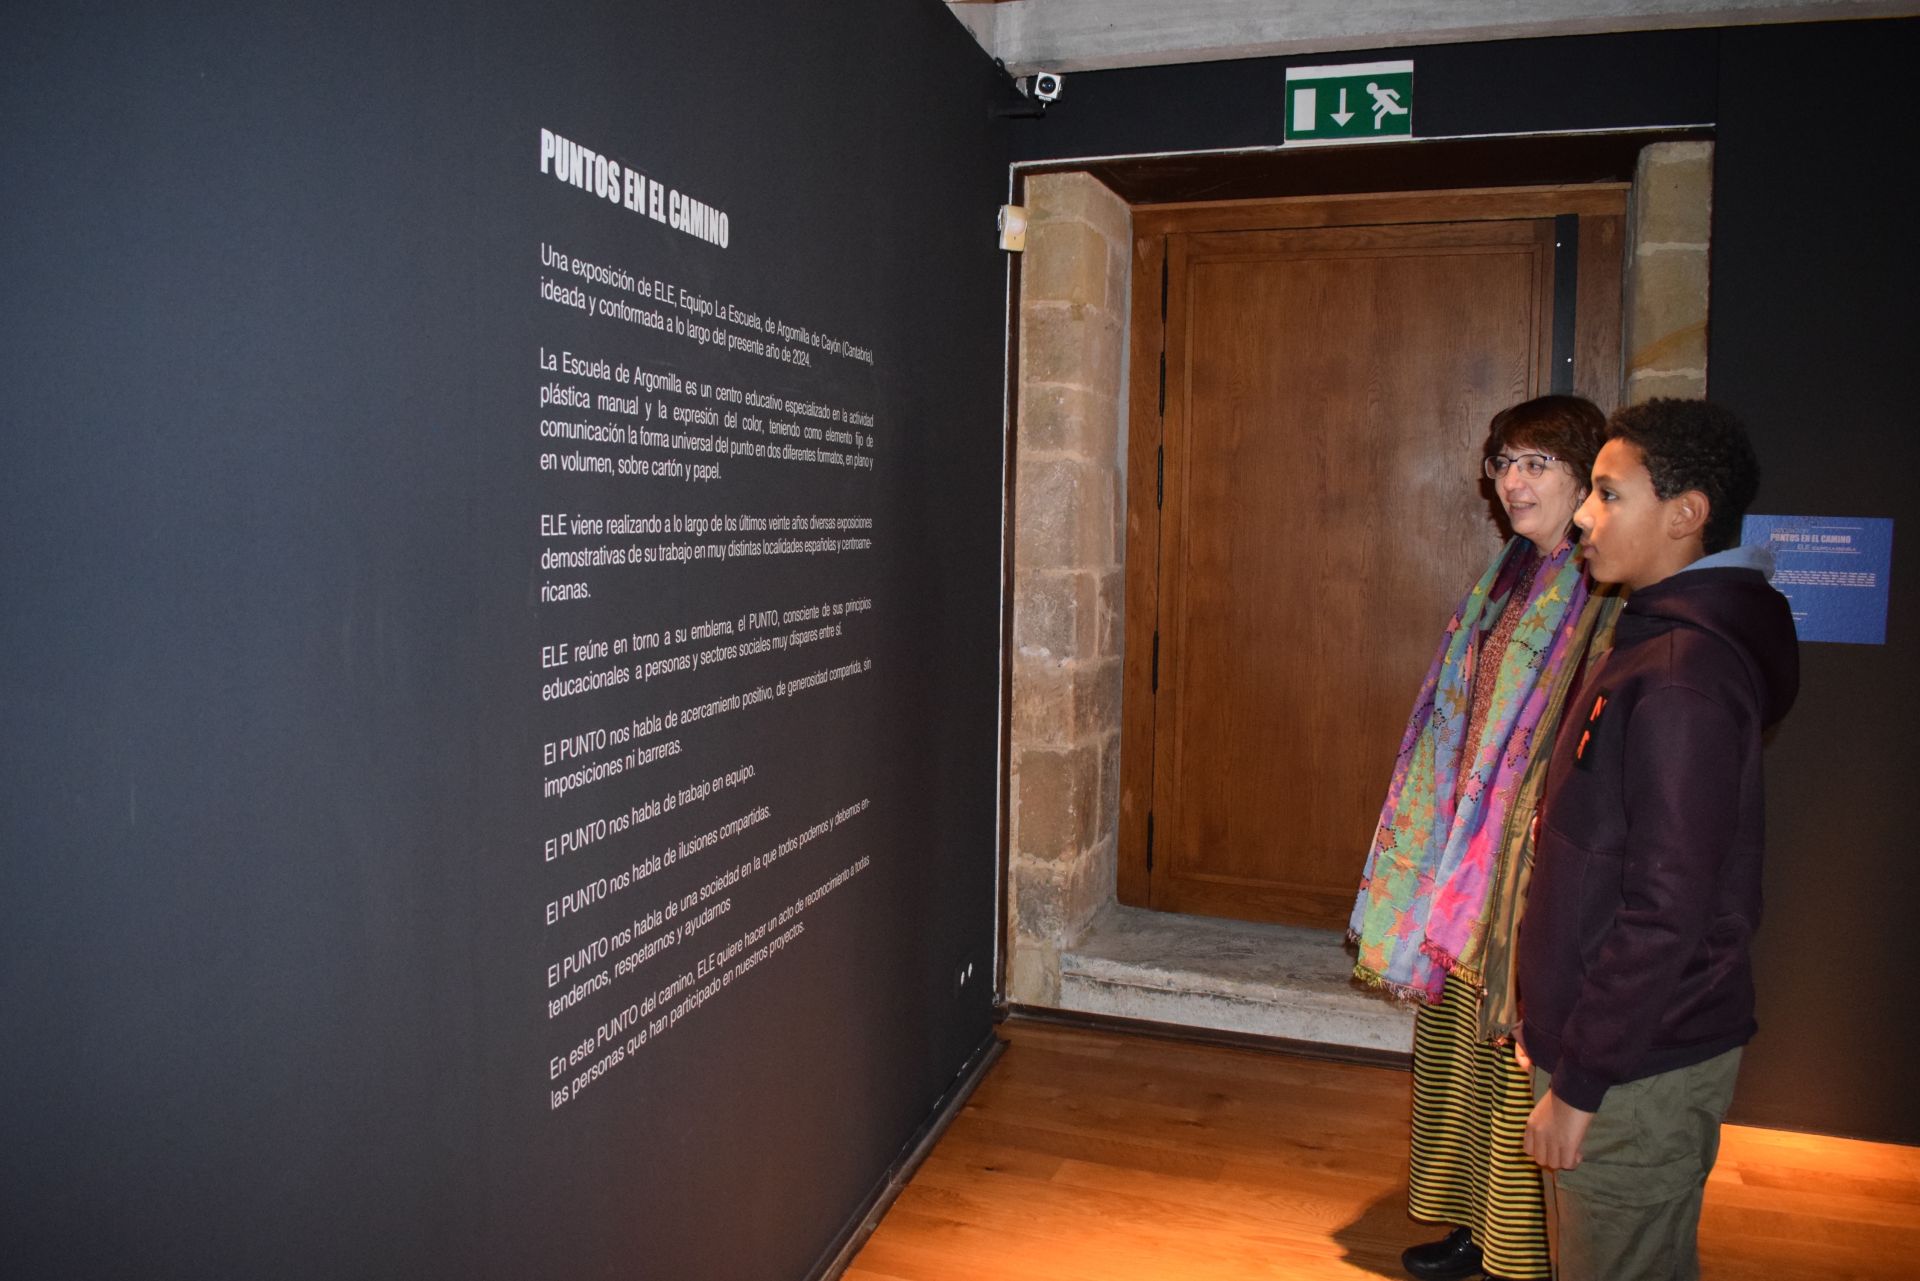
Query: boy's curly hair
x,y
1695,444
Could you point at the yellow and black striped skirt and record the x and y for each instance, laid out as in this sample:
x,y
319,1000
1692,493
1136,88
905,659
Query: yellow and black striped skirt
x,y
1470,1106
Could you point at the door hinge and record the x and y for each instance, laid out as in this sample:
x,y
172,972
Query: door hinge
x,y
1159,477
1163,384
1154,680
1149,840
1163,281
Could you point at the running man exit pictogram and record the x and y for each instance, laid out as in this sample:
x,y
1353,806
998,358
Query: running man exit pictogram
x,y
1359,102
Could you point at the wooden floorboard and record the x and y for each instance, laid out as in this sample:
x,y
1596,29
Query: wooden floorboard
x,y
1095,1156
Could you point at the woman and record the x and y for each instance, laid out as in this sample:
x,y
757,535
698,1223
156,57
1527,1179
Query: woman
x,y
1446,877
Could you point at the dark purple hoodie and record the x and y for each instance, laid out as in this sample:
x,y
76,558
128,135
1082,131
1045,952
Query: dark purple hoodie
x,y
1635,953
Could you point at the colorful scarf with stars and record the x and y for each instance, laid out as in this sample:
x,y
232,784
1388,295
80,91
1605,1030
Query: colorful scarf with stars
x,y
1423,897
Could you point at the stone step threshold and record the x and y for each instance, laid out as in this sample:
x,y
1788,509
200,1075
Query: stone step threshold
x,y
1282,982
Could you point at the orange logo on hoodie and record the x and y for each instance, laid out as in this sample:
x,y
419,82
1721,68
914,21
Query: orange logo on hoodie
x,y
1593,723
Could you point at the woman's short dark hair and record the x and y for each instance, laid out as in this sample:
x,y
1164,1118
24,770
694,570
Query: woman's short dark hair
x,y
1695,444
1570,428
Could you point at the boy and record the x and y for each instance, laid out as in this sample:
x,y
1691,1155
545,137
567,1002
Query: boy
x,y
1634,962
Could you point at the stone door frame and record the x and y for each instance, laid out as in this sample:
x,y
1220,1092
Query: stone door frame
x,y
1068,301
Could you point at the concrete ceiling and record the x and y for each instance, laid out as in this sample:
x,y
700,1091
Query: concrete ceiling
x,y
1082,35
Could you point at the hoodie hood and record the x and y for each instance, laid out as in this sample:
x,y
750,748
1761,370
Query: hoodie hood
x,y
1735,604
1742,557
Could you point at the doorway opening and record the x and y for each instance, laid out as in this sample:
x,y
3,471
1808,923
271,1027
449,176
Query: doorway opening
x,y
1326,385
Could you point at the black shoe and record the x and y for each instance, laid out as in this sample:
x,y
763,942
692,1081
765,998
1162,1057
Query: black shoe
x,y
1452,1258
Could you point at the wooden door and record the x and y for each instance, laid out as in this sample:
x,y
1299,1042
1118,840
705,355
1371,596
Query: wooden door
x,y
1319,514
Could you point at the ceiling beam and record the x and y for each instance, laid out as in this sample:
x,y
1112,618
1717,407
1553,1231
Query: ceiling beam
x,y
1085,35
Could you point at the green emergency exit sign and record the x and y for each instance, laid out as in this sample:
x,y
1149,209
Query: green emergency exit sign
x,y
1360,102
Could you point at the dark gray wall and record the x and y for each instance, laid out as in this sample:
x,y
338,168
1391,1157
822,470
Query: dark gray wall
x,y
272,935
1812,338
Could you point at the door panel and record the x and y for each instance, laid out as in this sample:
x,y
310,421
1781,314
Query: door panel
x,y
1327,392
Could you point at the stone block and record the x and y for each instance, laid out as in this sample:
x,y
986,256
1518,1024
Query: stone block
x,y
1065,262
1101,512
1037,913
1047,512
1667,314
1061,705
1096,703
1101,875
1055,418
1078,197
1054,903
1055,801
1045,621
1673,194
1677,351
1653,384
1055,615
1072,343
1033,978
1109,825
1064,515
1116,542
1119,287
1106,826
1042,704
1110,615
1085,889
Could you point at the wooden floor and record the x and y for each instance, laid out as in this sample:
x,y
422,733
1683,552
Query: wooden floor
x,y
1089,1156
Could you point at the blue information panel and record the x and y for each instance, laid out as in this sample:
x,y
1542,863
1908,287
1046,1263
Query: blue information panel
x,y
1833,570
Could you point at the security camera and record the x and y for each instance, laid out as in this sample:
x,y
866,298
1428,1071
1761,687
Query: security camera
x,y
1040,89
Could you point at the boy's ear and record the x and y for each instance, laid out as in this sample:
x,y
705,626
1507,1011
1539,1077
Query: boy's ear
x,y
1687,514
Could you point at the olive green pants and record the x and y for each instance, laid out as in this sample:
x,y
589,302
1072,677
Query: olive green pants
x,y
1630,1211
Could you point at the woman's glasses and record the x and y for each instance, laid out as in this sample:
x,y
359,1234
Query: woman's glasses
x,y
1532,466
